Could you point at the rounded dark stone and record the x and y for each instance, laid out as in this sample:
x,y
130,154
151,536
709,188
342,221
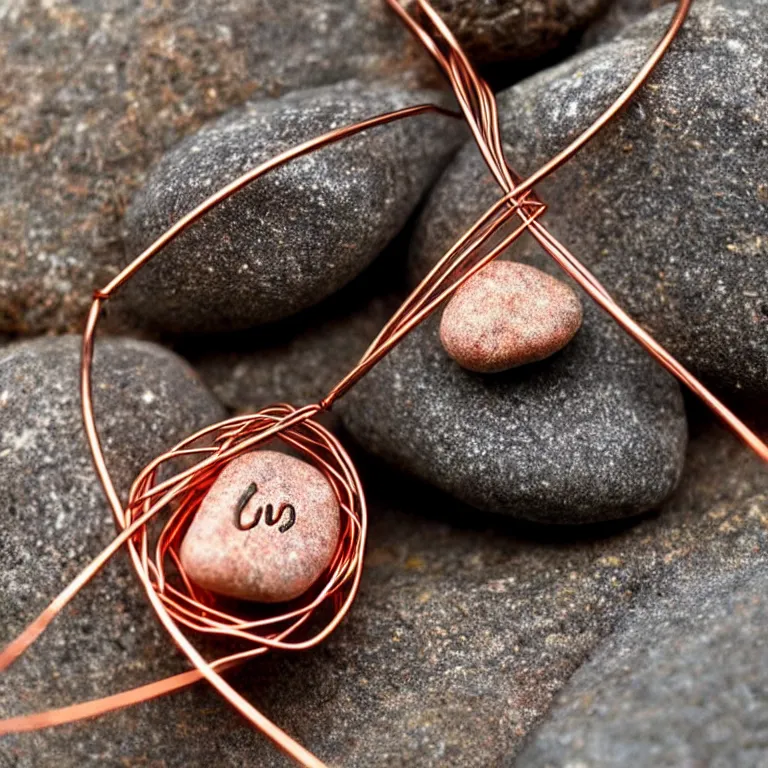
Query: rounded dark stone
x,y
54,515
619,15
294,237
465,628
596,431
55,519
298,360
95,92
669,204
681,682
516,30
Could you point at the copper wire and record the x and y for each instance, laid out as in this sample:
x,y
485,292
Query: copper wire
x,y
181,606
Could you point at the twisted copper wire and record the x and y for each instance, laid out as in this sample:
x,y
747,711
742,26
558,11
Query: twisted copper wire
x,y
176,600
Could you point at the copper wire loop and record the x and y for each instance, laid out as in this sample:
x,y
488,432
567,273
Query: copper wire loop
x,y
181,606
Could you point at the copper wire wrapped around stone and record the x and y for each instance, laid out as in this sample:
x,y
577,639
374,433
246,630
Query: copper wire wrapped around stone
x,y
181,497
266,530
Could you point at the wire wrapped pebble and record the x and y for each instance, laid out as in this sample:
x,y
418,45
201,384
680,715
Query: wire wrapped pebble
x,y
507,315
266,530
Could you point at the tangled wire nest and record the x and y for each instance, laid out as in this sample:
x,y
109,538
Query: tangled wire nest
x,y
178,603
180,497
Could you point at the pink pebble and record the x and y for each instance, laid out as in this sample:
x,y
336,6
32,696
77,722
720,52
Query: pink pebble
x,y
266,530
506,315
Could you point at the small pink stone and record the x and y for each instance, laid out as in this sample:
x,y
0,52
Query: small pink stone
x,y
506,315
283,554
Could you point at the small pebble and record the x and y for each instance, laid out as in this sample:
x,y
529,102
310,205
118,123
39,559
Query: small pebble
x,y
266,530
509,314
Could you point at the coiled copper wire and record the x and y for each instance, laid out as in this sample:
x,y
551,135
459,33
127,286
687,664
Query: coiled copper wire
x,y
178,603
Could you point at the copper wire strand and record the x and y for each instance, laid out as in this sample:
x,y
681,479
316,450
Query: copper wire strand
x,y
177,602
471,90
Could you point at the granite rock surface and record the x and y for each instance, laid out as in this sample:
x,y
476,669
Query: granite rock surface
x,y
295,236
93,93
681,682
516,30
668,205
595,431
54,516
299,359
619,15
465,629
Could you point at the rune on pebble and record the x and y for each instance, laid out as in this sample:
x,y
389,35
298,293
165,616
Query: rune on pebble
x,y
266,530
509,314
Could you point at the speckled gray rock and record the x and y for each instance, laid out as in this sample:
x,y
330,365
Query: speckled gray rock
x,y
93,93
516,30
596,431
54,518
296,236
464,630
291,362
52,511
669,205
299,359
684,681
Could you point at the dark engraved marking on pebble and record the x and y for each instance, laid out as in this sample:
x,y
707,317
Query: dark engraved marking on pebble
x,y
241,504
270,518
291,517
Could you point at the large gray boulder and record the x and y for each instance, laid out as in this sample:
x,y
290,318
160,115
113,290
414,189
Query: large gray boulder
x,y
596,431
669,205
297,235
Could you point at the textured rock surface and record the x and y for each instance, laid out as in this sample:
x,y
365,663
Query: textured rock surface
x,y
92,93
299,359
54,518
593,432
296,236
266,530
52,509
462,634
684,681
509,314
516,30
669,205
